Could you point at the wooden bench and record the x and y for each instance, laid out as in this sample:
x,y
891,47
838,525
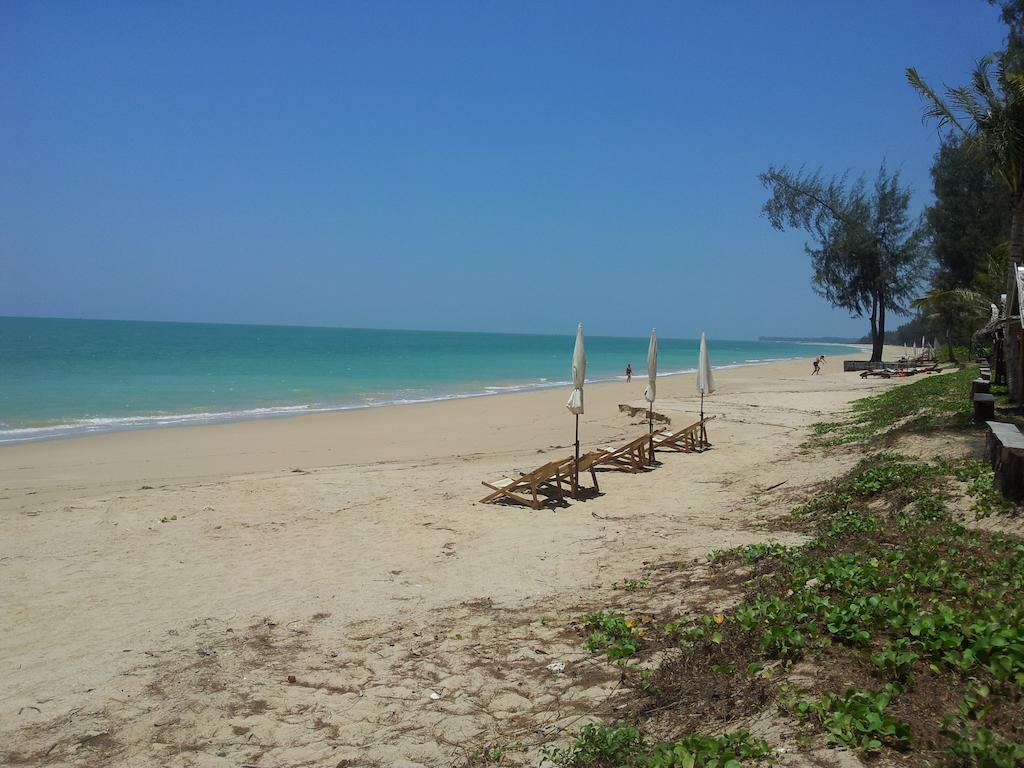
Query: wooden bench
x,y
984,407
1005,444
865,365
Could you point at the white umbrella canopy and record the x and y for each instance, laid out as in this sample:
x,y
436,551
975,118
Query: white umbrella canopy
x,y
705,379
705,384
652,367
579,371
652,375
575,404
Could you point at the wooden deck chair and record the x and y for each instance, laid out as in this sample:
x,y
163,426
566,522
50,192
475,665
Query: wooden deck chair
x,y
687,440
587,463
545,481
631,457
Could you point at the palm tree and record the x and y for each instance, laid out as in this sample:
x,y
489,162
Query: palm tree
x,y
952,308
989,114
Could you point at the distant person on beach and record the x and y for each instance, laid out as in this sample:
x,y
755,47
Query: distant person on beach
x,y
629,372
817,366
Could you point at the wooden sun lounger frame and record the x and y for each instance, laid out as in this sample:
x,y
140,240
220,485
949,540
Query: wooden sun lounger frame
x,y
542,484
687,440
633,456
565,473
888,373
550,480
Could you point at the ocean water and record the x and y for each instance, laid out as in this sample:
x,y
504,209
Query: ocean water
x,y
66,377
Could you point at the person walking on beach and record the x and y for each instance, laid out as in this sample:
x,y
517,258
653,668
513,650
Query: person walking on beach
x,y
629,372
817,366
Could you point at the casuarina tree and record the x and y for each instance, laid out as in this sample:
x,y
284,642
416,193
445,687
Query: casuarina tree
x,y
970,218
867,252
989,116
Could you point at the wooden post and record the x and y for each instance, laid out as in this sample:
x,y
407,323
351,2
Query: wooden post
x,y
984,408
1009,472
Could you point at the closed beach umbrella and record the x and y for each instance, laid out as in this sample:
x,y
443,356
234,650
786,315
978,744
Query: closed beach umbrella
x,y
579,370
575,404
705,383
652,375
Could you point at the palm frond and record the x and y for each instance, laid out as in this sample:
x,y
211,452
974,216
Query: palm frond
x,y
935,107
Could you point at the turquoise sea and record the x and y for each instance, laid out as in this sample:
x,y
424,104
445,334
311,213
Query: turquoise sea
x,y
66,377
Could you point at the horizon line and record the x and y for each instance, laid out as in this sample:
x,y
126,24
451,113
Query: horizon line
x,y
365,328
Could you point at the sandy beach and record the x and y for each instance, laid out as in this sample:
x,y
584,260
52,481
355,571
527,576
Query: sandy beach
x,y
326,588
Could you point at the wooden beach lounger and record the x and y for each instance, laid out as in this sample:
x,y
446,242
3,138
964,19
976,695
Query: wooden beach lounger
x,y
565,472
631,457
687,440
587,463
545,481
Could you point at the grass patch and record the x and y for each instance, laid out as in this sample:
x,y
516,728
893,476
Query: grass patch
x,y
891,593
932,403
893,631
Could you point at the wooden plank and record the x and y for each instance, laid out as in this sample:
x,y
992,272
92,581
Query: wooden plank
x,y
1007,434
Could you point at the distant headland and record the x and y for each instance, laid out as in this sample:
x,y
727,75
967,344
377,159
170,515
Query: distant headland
x,y
815,339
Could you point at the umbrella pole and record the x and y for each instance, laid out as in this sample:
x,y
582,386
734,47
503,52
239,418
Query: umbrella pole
x,y
703,429
650,430
576,470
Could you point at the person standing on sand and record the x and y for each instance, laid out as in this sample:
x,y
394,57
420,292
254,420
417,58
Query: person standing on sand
x,y
629,372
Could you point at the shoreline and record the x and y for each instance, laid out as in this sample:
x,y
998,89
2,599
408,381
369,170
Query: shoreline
x,y
161,586
111,425
516,425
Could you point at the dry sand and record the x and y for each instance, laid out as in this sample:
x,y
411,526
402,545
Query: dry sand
x,y
158,588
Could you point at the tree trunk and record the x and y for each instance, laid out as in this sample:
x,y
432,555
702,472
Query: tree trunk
x,y
1017,234
876,348
881,326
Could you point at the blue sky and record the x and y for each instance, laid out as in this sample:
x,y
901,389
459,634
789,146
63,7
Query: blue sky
x,y
451,165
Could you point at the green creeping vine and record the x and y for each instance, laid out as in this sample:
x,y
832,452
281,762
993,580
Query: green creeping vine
x,y
891,578
627,747
858,719
934,402
613,634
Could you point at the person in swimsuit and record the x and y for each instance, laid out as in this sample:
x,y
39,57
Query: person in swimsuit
x,y
629,372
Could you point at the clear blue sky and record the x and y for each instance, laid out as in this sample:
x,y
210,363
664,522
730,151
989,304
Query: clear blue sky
x,y
468,165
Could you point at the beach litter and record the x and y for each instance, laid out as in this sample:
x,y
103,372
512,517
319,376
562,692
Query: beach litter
x,y
435,695
556,667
